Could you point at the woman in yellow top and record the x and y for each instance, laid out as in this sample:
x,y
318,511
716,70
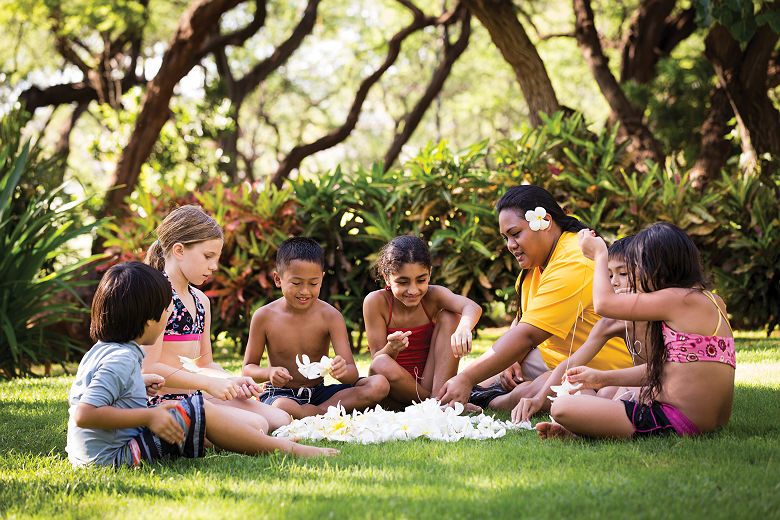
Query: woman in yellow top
x,y
556,303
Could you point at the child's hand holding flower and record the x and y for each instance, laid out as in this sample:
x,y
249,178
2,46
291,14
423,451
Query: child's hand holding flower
x,y
589,378
247,386
590,244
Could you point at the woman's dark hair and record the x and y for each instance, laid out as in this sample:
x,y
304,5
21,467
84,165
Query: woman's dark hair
x,y
661,256
405,249
298,248
528,197
129,295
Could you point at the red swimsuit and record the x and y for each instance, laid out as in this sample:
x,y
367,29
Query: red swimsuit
x,y
413,357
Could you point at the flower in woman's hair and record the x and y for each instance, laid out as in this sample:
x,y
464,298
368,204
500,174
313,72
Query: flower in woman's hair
x,y
536,220
313,369
189,363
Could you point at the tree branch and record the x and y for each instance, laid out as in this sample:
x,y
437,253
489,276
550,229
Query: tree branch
x,y
293,159
644,144
193,28
412,119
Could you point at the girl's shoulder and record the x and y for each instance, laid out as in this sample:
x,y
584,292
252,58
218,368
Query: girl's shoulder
x,y
202,298
377,297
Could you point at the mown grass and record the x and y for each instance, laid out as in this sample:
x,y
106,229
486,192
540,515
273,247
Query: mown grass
x,y
733,473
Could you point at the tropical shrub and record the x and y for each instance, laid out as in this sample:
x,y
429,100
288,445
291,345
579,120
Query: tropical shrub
x,y
36,293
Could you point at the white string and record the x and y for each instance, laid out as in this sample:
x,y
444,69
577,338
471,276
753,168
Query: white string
x,y
631,345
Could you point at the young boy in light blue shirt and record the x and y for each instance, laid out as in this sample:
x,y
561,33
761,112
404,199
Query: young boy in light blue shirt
x,y
110,423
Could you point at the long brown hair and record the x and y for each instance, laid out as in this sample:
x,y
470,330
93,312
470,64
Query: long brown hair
x,y
661,256
185,225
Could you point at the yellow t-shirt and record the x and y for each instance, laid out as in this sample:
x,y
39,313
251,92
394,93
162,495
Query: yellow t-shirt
x,y
554,299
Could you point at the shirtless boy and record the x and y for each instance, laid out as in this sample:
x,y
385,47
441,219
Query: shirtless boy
x,y
299,323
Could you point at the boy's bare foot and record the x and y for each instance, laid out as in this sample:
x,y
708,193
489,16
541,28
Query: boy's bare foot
x,y
472,408
548,430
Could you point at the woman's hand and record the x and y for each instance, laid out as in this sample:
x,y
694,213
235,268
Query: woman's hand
x,y
456,389
526,408
590,244
589,377
279,377
397,341
461,342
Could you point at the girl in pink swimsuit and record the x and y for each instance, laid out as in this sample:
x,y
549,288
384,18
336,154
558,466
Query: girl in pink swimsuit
x,y
416,332
688,381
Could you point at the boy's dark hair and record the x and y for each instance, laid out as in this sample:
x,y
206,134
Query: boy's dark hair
x,y
298,248
619,247
129,295
404,249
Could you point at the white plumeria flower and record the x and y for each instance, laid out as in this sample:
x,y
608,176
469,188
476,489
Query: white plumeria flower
x,y
426,419
536,220
189,364
564,388
313,369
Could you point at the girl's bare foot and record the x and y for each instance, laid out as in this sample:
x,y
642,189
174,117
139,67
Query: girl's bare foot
x,y
548,430
303,450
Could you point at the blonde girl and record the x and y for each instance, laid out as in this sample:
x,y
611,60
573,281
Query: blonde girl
x,y
186,251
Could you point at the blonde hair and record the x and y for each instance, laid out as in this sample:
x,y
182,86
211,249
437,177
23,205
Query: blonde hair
x,y
185,225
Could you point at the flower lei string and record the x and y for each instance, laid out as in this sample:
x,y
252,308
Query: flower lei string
x,y
536,220
313,369
425,419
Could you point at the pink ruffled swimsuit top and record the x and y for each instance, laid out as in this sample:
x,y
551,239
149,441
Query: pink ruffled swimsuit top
x,y
687,348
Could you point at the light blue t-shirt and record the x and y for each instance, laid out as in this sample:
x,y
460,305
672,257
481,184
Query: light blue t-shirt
x,y
109,375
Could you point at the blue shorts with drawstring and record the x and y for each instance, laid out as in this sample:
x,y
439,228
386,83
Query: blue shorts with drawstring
x,y
315,395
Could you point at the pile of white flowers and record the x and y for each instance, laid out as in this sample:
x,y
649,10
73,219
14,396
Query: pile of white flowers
x,y
426,419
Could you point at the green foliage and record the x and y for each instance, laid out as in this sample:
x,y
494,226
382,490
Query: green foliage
x,y
447,198
255,220
741,17
746,254
33,292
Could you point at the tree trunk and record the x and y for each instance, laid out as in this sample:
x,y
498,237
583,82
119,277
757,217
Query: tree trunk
x,y
743,76
500,19
652,35
714,146
411,120
644,146
293,159
193,28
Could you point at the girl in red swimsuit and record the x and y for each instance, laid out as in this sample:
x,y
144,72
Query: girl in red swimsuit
x,y
688,380
416,332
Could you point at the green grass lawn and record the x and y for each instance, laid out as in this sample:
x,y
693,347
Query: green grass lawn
x,y
734,473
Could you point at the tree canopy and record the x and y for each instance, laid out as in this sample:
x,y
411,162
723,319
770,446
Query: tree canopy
x,y
258,90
